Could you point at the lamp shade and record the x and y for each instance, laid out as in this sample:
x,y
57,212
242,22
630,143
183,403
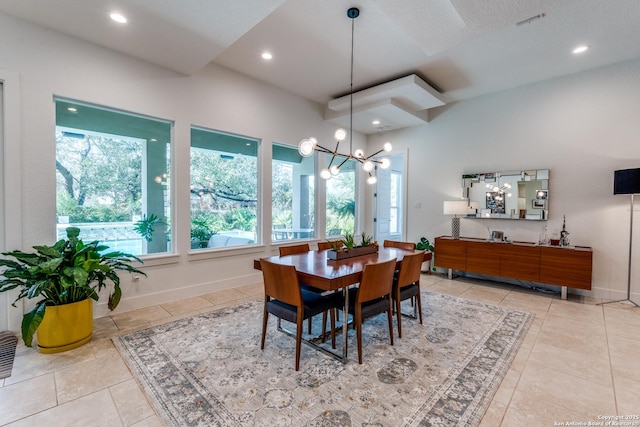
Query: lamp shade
x,y
455,207
626,181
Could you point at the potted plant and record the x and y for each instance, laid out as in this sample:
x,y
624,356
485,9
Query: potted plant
x,y
349,249
425,245
67,277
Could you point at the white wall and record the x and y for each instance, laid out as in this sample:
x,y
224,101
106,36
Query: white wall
x,y
47,63
582,127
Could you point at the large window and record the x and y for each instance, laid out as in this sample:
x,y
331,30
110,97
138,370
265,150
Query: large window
x,y
113,177
341,200
292,195
395,203
224,189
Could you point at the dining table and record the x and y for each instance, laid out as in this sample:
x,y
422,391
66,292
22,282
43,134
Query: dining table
x,y
314,268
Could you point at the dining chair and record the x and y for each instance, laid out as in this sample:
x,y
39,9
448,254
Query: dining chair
x,y
300,249
294,249
409,246
372,297
322,246
406,285
285,299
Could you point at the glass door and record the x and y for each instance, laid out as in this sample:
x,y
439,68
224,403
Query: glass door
x,y
389,199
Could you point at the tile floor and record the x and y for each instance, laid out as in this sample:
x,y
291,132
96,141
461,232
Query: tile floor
x,y
579,361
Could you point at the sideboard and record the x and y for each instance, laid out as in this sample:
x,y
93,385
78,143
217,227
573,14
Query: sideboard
x,y
554,265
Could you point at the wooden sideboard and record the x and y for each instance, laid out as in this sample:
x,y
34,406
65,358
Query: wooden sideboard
x,y
562,266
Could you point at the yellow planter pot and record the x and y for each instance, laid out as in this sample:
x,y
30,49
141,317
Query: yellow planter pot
x,y
66,326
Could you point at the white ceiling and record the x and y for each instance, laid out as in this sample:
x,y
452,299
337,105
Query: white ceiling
x,y
462,48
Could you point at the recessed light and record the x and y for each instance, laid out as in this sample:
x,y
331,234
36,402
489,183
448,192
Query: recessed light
x,y
376,122
581,49
119,18
267,55
72,109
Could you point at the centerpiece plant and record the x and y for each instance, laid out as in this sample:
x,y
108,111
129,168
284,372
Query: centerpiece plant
x,y
68,272
348,247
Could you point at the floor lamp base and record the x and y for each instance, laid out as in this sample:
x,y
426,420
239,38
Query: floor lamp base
x,y
619,300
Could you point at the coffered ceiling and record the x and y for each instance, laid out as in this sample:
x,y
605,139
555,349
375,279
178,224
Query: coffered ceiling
x,y
458,48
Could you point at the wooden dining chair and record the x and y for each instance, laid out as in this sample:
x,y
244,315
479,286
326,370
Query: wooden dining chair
x,y
285,299
372,297
409,246
294,249
300,249
406,285
323,246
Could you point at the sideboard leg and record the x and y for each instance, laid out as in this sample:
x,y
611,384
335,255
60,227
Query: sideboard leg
x,y
563,292
450,274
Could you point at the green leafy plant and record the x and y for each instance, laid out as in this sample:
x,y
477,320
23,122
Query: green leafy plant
x,y
365,240
424,245
349,241
145,227
201,231
67,272
336,245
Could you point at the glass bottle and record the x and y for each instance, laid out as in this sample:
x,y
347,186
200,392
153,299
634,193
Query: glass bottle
x,y
543,238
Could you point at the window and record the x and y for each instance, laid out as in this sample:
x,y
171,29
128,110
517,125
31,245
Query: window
x,y
341,200
113,177
293,194
224,189
395,202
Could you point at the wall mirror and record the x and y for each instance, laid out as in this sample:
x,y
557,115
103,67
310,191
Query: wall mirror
x,y
508,195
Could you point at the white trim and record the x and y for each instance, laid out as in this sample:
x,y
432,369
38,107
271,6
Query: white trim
x,y
12,173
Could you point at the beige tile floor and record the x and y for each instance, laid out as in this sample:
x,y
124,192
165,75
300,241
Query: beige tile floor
x,y
579,361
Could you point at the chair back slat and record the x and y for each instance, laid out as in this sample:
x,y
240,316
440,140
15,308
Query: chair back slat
x,y
281,282
294,249
377,280
409,246
410,269
326,245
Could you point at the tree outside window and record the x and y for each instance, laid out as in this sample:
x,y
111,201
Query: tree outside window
x,y
112,177
224,189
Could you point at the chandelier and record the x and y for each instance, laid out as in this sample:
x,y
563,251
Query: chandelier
x,y
499,192
307,146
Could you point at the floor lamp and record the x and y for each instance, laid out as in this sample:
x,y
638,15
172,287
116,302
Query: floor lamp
x,y
627,181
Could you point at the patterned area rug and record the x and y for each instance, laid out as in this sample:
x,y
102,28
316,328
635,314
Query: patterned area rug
x,y
8,342
208,370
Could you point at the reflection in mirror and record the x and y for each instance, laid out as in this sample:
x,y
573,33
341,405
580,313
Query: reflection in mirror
x,y
508,195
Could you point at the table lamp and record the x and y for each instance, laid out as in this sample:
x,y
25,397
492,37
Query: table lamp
x,y
456,208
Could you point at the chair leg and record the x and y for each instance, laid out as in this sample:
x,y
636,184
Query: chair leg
x,y
265,317
419,300
358,326
333,327
390,317
324,326
298,341
309,324
399,316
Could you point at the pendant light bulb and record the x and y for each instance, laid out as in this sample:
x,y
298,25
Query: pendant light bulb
x,y
372,179
325,173
340,134
387,147
385,163
367,166
335,170
358,154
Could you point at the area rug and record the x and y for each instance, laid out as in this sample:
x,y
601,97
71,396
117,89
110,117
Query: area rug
x,y
208,369
8,342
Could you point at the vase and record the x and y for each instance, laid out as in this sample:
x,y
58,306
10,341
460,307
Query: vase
x,y
65,327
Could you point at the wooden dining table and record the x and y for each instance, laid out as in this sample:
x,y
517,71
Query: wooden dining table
x,y
315,269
